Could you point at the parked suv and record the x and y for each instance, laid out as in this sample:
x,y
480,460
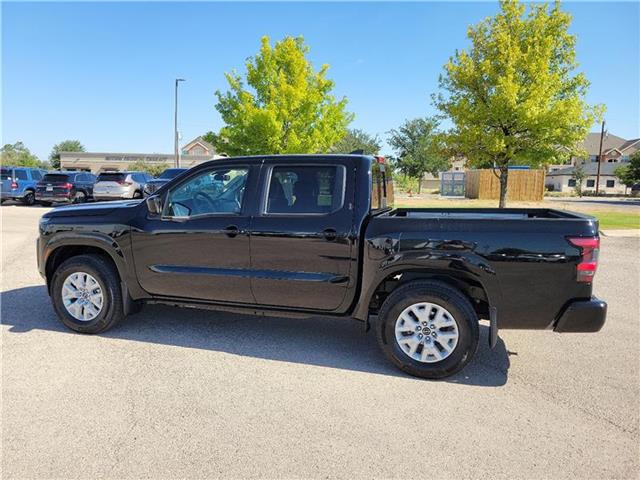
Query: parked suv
x,y
73,187
156,183
120,185
19,183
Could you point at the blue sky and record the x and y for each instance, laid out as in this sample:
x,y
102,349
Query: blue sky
x,y
103,72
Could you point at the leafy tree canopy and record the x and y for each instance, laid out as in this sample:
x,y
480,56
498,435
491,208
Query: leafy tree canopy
x,y
17,155
513,96
288,108
64,146
417,144
630,174
154,169
357,140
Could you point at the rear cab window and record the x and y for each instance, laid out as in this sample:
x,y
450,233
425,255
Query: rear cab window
x,y
305,189
381,185
6,174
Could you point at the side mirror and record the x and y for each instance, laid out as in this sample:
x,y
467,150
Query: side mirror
x,y
154,205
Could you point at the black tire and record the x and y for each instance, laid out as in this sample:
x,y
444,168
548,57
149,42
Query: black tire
x,y
79,196
107,276
445,296
45,204
29,198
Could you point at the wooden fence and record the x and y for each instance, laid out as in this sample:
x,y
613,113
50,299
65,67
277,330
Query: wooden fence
x,y
525,185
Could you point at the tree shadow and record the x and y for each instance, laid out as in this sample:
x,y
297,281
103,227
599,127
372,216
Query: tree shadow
x,y
319,341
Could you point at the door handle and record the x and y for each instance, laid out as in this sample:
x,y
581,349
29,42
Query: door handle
x,y
231,231
329,234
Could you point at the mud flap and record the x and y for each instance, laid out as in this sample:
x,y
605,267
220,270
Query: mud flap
x,y
493,327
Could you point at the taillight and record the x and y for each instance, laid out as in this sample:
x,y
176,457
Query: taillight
x,y
14,185
68,186
589,249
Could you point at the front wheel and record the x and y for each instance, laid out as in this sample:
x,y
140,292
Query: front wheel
x,y
428,329
86,294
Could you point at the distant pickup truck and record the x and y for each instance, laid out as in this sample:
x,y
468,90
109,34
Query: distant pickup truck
x,y
316,235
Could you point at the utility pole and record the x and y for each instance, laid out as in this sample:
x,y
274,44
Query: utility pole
x,y
175,124
599,160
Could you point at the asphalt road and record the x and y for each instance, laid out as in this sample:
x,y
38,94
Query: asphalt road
x,y
192,394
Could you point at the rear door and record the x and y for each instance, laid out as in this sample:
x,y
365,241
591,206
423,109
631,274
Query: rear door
x,y
53,184
199,247
6,176
301,243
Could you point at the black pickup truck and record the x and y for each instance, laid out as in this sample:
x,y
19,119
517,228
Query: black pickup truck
x,y
317,235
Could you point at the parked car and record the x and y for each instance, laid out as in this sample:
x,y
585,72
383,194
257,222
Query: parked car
x,y
68,187
120,185
635,190
19,183
313,235
163,178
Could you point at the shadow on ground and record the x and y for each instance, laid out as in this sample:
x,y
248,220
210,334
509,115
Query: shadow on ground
x,y
327,342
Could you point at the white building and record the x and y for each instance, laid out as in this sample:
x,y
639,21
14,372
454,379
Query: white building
x,y
561,180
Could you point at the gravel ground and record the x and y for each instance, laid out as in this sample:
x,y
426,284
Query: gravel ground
x,y
192,394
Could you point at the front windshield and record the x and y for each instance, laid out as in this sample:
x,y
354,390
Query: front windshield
x,y
170,173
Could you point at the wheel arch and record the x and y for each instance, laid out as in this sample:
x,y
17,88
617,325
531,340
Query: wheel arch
x,y
476,291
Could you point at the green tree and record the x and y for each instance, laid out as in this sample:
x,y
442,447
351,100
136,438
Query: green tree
x,y
418,148
630,174
357,140
579,174
514,96
17,155
289,107
154,169
64,146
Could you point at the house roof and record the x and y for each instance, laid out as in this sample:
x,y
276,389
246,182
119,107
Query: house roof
x,y
606,169
202,142
610,142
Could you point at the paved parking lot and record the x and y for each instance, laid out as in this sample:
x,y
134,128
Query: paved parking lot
x,y
184,393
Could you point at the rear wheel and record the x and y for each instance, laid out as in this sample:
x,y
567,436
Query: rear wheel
x,y
29,198
428,329
86,294
79,197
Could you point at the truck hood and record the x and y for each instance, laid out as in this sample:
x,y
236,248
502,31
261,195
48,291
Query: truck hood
x,y
86,209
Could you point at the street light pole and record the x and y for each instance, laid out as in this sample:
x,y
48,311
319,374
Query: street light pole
x,y
599,160
175,124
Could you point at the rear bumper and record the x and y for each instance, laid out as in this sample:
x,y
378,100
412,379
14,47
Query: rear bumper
x,y
583,316
55,197
15,195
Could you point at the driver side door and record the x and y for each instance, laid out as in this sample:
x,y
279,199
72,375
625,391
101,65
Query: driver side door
x,y
198,248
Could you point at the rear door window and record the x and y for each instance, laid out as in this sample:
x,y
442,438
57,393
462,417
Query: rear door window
x,y
305,189
22,175
36,174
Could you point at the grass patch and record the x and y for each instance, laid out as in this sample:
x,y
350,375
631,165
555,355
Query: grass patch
x,y
616,220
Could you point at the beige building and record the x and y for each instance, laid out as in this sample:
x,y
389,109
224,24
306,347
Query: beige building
x,y
193,153
614,150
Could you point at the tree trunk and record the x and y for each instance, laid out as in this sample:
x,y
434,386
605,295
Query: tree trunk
x,y
504,176
419,185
